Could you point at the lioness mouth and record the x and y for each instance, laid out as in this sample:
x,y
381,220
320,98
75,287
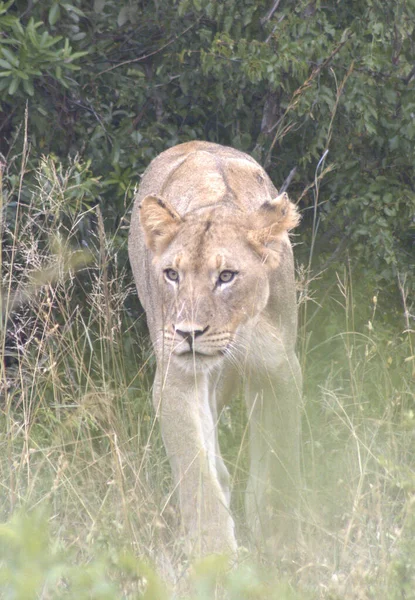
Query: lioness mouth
x,y
198,354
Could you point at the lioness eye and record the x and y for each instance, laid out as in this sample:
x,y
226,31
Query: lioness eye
x,y
226,276
171,274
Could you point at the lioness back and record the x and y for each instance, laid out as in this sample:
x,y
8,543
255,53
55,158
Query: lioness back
x,y
199,174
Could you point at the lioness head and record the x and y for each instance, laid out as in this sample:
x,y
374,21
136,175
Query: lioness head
x,y
212,268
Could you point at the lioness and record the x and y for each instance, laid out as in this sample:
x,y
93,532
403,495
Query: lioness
x,y
213,266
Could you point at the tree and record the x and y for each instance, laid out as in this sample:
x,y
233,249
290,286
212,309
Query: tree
x,y
326,89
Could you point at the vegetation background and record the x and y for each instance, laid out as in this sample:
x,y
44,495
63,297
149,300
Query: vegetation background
x,y
323,96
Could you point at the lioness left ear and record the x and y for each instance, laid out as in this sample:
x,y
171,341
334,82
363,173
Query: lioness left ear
x,y
160,222
269,223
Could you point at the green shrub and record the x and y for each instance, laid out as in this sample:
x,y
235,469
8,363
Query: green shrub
x,y
326,89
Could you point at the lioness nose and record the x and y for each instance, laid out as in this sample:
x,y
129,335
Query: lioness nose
x,y
190,330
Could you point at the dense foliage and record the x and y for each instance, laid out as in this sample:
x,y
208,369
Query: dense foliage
x,y
327,88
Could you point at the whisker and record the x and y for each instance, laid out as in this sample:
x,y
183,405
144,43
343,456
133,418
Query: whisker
x,y
230,356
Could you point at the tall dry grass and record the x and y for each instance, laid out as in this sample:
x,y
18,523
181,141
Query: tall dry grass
x,y
81,451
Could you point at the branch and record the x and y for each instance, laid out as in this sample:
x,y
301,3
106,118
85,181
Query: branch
x,y
341,246
298,92
287,182
145,56
270,13
409,77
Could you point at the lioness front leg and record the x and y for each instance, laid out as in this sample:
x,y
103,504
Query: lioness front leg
x,y
274,485
188,433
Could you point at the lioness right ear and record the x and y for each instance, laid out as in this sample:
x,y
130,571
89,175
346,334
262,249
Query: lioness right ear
x,y
268,224
160,222
276,216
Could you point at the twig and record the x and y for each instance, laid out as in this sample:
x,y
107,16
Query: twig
x,y
337,252
316,202
145,56
319,178
407,315
270,12
287,182
104,267
8,118
282,17
298,92
408,78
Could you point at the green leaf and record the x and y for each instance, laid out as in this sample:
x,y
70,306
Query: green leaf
x,y
15,24
54,14
390,211
4,6
28,87
227,23
74,9
12,58
76,55
21,74
136,137
99,5
123,16
14,86
31,32
5,64
79,36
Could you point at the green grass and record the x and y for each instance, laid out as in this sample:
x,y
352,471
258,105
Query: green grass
x,y
85,494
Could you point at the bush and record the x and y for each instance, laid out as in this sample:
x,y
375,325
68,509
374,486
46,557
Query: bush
x,y
328,90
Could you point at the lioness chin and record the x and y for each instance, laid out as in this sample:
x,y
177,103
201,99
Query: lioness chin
x,y
214,271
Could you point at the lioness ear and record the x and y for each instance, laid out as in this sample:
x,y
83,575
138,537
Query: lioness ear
x,y
269,222
160,222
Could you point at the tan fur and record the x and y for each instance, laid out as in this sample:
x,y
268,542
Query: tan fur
x,y
214,272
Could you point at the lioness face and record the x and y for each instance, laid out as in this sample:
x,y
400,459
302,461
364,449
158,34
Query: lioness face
x,y
209,290
212,271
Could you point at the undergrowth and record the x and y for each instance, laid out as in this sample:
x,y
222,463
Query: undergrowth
x,y
85,495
